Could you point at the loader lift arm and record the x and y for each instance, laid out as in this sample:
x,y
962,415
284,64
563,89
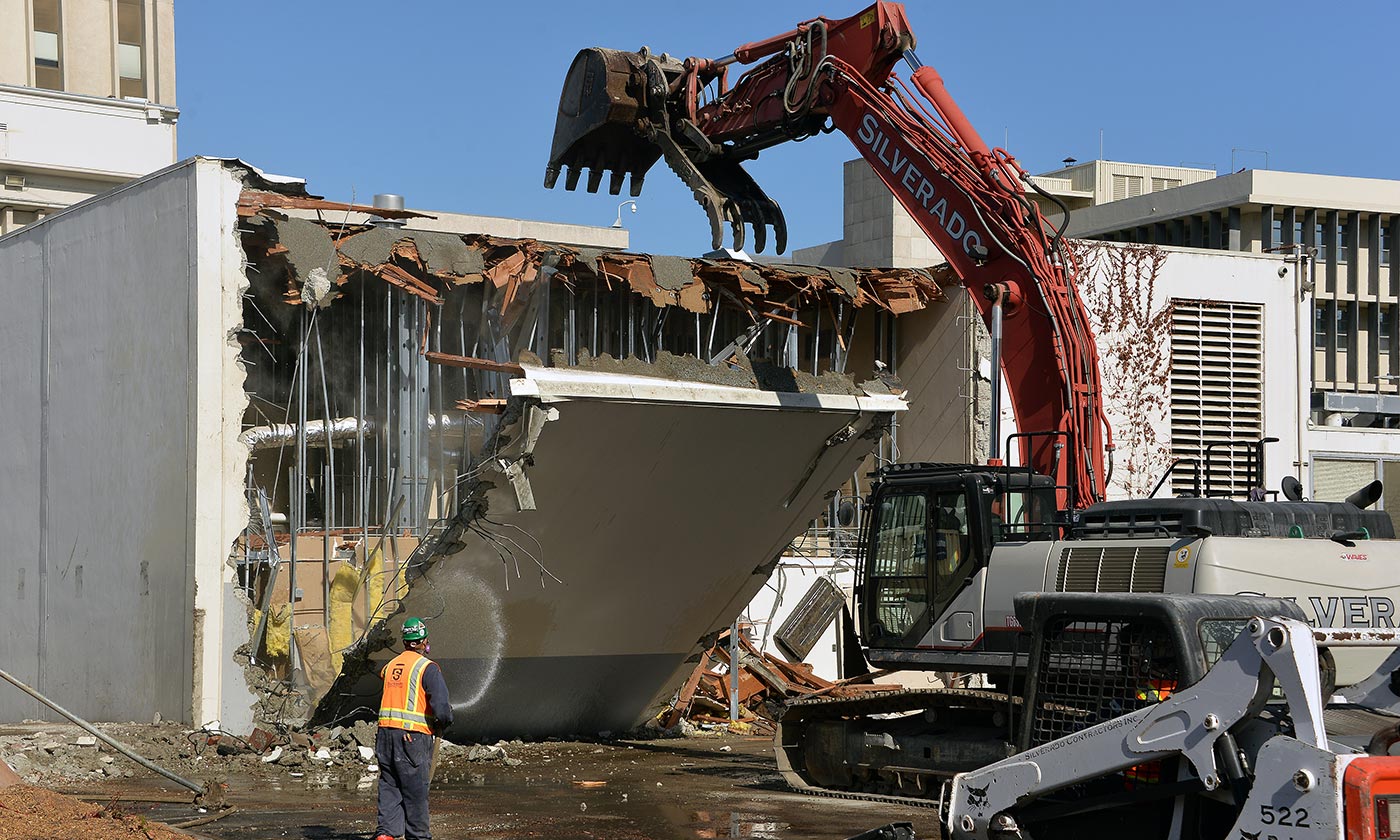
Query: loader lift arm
x,y
620,112
1293,783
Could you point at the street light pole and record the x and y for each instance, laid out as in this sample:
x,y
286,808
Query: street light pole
x,y
618,222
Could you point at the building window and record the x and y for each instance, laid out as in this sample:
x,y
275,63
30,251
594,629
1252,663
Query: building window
x,y
1159,184
1385,328
1344,241
131,41
1276,234
1320,235
1217,390
1343,325
1320,327
48,54
1126,186
1385,242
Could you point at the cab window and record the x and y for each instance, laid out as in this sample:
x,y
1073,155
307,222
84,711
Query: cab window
x,y
898,570
953,560
1020,515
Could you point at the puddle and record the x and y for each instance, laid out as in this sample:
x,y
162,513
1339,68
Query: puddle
x,y
738,824
657,791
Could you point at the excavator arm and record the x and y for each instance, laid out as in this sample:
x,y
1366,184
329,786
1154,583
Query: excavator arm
x,y
620,112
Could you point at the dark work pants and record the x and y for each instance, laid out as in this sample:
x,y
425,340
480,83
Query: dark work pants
x,y
404,768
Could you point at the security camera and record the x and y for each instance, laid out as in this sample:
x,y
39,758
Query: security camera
x,y
1283,271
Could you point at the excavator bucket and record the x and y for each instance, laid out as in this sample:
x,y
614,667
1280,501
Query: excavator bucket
x,y
600,124
615,119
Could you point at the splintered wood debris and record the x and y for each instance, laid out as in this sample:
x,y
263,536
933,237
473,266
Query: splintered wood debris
x,y
766,683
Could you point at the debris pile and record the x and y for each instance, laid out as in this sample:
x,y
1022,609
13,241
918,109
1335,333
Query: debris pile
x,y
766,684
31,812
60,754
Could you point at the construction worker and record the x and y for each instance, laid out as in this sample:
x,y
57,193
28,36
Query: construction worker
x,y
414,707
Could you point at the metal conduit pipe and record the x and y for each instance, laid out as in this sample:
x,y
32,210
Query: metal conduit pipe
x,y
341,429
102,736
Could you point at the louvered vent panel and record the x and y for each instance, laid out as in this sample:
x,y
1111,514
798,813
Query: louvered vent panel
x,y
1112,569
1217,389
1126,186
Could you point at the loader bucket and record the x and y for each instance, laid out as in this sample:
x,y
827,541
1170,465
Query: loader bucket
x,y
602,122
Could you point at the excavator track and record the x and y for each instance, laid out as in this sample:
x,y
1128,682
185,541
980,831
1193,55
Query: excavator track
x,y
800,715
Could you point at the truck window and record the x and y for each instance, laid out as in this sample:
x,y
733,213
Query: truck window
x,y
898,571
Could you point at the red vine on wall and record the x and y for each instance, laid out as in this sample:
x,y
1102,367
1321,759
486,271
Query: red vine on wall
x,y
1118,283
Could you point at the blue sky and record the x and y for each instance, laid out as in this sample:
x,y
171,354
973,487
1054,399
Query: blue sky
x,y
453,103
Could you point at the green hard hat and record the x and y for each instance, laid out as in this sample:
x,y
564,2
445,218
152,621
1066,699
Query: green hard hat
x,y
414,630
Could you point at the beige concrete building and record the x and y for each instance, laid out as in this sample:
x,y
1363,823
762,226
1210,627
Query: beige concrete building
x,y
72,71
1344,227
1096,182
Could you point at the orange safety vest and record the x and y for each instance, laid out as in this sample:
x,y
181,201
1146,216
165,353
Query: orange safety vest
x,y
405,704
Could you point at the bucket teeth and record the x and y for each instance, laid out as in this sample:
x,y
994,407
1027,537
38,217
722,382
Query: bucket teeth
x,y
613,119
599,126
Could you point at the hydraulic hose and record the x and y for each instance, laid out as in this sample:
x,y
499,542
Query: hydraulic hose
x,y
102,736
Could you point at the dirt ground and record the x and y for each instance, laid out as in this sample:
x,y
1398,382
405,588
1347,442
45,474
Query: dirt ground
x,y
698,787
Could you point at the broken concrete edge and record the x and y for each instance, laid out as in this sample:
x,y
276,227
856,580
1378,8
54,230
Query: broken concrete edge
x,y
433,258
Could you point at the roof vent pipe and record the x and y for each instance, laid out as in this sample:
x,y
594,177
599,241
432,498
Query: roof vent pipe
x,y
387,201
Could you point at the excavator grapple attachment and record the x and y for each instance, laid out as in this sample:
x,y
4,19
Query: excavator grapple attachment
x,y
601,125
619,112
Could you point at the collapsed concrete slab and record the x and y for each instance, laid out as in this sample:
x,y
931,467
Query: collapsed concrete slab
x,y
619,521
574,461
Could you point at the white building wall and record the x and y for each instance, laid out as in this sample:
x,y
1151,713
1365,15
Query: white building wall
x,y
119,599
51,130
1202,275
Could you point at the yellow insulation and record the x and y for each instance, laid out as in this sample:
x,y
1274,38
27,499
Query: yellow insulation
x,y
382,595
344,586
277,639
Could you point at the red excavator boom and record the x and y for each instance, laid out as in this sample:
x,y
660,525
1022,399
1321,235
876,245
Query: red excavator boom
x,y
620,112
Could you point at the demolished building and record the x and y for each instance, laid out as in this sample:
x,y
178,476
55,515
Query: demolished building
x,y
247,431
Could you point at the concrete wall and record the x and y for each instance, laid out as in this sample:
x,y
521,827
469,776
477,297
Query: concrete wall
x,y
113,445
948,405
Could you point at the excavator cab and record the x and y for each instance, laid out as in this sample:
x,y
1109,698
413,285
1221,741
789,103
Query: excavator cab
x,y
932,528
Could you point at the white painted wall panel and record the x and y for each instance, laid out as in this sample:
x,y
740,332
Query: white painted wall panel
x,y
110,459
55,131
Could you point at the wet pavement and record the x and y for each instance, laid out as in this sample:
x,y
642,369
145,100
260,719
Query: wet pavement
x,y
621,790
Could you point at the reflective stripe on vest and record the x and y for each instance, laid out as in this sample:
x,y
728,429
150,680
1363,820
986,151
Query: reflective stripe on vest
x,y
405,704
